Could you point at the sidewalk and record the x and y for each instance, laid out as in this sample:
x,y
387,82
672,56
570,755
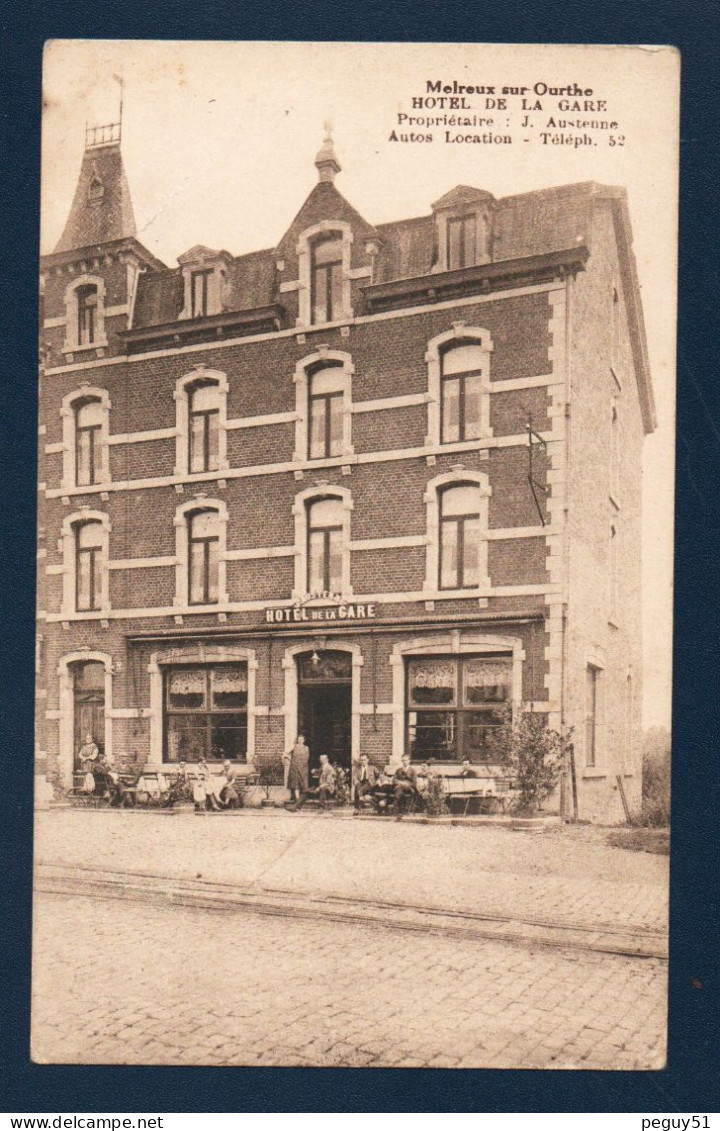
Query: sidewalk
x,y
548,875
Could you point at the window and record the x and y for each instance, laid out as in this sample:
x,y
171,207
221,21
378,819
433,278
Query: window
x,y
456,706
460,532
199,292
89,418
85,314
204,420
326,299
461,241
326,405
206,713
325,546
592,712
461,392
458,363
201,422
87,305
88,566
203,557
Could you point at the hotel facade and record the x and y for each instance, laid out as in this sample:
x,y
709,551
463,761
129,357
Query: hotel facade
x,y
374,485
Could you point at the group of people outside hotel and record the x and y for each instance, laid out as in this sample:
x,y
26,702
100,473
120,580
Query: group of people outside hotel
x,y
218,789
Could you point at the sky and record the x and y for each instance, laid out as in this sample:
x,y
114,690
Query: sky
x,y
219,141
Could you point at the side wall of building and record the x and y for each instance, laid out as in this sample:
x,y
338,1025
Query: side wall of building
x,y
604,533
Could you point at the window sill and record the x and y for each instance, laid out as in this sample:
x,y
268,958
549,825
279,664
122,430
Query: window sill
x,y
593,772
101,343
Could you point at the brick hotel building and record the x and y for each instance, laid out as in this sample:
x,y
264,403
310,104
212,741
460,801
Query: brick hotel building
x,y
371,484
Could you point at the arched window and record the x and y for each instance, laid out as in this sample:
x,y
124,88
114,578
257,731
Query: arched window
x,y
325,412
85,314
85,417
203,528
89,419
326,283
87,304
203,432
201,419
459,385
460,533
89,544
461,393
325,520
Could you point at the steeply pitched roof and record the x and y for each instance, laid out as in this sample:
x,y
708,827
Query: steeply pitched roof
x,y
528,225
101,210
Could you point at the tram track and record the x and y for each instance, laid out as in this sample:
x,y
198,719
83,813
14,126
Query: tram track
x,y
627,940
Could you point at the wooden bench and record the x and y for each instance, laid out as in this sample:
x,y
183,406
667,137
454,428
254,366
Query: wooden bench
x,y
486,792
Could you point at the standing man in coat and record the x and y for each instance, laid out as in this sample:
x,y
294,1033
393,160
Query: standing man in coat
x,y
299,768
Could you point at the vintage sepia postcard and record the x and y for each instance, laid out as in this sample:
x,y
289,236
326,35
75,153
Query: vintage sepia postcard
x,y
355,554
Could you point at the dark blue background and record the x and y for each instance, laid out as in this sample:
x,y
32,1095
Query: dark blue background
x,y
690,1081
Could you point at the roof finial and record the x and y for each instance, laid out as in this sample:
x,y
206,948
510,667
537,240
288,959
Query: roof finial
x,y
326,162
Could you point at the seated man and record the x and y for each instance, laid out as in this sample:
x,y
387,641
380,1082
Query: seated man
x,y
326,781
325,788
366,778
405,786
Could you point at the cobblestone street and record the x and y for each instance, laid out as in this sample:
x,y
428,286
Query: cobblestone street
x,y
120,982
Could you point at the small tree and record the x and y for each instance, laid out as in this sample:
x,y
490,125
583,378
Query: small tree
x,y
533,755
270,772
656,777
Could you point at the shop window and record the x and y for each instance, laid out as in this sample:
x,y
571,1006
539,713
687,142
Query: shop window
x,y
201,422
89,544
85,314
206,713
325,546
325,412
461,241
463,370
203,557
593,713
457,707
460,535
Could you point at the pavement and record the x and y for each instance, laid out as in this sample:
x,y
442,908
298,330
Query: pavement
x,y
119,983
265,938
567,875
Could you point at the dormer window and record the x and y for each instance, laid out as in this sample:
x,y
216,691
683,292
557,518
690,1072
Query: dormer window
x,y
205,279
327,278
461,241
199,292
324,273
464,228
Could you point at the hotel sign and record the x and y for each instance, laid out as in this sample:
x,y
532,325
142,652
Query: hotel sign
x,y
321,608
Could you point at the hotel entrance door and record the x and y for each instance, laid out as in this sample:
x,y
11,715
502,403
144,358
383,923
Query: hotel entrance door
x,y
325,706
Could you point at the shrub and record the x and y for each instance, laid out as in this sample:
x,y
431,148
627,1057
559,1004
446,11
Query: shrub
x,y
656,778
533,754
434,795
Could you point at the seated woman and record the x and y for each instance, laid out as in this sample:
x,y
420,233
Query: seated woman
x,y
230,796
